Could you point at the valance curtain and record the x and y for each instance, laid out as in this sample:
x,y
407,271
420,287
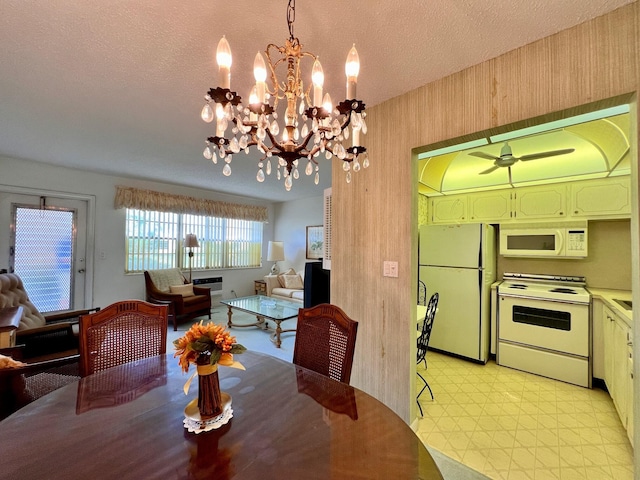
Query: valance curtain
x,y
128,197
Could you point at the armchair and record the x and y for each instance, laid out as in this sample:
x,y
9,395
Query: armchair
x,y
43,337
190,303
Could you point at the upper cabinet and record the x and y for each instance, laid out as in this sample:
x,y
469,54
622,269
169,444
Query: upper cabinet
x,y
449,209
605,198
545,202
490,207
608,197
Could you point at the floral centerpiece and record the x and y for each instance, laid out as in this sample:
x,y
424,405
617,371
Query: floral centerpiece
x,y
207,346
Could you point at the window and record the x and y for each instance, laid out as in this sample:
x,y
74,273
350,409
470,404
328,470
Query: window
x,y
155,240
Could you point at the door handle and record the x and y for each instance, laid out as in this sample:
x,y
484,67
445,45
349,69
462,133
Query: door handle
x,y
81,270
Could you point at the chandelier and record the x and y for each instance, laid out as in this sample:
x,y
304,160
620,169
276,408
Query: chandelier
x,y
312,127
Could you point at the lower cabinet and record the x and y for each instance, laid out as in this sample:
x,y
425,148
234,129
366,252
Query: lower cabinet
x,y
618,366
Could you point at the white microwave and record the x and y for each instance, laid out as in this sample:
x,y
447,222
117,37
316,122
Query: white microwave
x,y
544,241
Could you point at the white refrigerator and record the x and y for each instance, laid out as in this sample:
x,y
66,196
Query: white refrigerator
x,y
459,263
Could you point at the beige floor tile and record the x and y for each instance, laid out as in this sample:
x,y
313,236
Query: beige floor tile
x,y
509,424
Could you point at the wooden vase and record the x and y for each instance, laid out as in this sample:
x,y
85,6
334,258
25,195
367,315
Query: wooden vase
x,y
209,397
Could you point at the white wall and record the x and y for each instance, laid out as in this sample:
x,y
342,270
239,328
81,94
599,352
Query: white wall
x,y
110,284
291,220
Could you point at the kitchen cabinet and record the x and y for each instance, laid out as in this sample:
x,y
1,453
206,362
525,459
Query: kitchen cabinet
x,y
617,367
490,207
449,209
606,197
545,202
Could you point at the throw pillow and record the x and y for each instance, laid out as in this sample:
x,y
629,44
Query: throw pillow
x,y
293,281
185,290
291,271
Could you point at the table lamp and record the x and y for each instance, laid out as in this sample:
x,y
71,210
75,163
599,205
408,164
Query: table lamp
x,y
275,253
191,241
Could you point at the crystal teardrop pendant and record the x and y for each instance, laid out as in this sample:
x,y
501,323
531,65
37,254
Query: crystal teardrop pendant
x,y
328,154
296,175
364,126
365,161
234,145
268,167
261,133
214,157
305,130
222,152
348,177
356,165
228,158
288,183
242,143
316,180
278,176
207,113
301,109
296,134
346,133
309,168
207,153
226,171
260,176
346,166
274,128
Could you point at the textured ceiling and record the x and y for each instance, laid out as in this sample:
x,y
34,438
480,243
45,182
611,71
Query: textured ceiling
x,y
117,86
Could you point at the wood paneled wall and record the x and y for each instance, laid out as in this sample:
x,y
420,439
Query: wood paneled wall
x,y
375,217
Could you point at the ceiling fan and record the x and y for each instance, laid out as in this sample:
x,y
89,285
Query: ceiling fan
x,y
506,158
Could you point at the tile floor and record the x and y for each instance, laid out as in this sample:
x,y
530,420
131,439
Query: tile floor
x,y
509,424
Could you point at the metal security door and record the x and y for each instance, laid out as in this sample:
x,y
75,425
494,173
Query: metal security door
x,y
47,249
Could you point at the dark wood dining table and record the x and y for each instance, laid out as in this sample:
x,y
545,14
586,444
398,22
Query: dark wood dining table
x,y
288,423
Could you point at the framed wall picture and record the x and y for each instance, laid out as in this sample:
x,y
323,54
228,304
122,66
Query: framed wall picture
x,y
315,241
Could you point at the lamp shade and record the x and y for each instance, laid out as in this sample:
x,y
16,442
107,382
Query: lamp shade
x,y
275,252
191,241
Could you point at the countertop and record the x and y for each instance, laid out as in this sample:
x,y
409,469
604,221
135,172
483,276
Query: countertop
x,y
608,296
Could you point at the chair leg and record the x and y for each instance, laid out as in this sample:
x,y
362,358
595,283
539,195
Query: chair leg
x,y
426,385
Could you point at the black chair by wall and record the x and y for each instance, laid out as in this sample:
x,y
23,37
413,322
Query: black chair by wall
x,y
423,342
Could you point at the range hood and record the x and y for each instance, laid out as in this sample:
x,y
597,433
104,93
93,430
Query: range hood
x,y
599,142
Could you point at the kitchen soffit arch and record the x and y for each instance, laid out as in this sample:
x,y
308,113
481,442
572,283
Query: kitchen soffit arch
x,y
598,132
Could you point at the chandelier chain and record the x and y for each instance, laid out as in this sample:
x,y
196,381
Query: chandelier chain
x,y
291,17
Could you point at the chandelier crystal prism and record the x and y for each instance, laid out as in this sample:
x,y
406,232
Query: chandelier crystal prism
x,y
312,127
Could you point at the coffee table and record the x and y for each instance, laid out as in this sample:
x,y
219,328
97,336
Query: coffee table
x,y
264,308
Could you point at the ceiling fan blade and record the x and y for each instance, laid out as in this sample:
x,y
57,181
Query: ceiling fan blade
x,y
510,179
553,153
489,170
486,156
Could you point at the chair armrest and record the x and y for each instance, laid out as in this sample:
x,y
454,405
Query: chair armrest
x,y
201,290
54,327
272,282
71,316
157,296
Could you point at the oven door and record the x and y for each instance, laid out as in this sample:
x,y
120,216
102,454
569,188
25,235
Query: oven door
x,y
558,326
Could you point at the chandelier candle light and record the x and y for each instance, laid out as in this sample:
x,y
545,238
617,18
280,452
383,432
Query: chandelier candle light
x,y
312,126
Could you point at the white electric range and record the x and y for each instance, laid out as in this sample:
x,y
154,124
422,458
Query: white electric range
x,y
544,326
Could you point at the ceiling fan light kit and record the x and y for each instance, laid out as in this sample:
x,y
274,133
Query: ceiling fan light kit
x,y
311,125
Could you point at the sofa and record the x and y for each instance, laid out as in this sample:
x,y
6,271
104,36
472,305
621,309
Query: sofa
x,y
287,285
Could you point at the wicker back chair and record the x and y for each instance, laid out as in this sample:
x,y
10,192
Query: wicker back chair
x,y
120,333
22,385
325,341
423,342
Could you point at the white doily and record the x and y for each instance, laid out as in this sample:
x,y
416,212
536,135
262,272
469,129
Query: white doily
x,y
195,424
